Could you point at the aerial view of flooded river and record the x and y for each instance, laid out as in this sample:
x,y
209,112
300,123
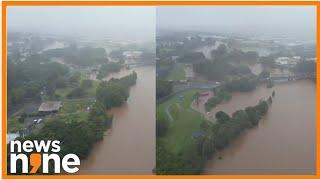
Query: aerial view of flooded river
x,y
129,146
283,142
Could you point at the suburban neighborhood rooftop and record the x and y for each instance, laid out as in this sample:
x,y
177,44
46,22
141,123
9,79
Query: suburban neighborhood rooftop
x,y
50,106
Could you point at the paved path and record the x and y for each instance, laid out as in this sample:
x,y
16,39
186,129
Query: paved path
x,y
168,113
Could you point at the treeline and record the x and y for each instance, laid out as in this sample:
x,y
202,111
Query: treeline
x,y
226,128
217,136
163,68
79,87
305,67
117,54
191,57
240,84
163,88
28,78
268,61
172,45
235,84
32,44
220,95
220,70
234,55
116,91
305,51
226,63
108,68
83,57
78,137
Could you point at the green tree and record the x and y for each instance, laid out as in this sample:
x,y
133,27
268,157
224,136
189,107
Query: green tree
x,y
86,83
77,92
162,125
222,117
22,117
270,100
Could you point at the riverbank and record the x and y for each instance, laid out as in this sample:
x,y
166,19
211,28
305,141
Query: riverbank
x,y
284,141
278,130
129,147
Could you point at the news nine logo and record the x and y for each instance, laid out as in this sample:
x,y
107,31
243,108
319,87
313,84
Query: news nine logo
x,y
41,153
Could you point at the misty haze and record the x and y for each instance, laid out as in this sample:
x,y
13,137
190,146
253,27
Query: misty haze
x,y
294,22
116,23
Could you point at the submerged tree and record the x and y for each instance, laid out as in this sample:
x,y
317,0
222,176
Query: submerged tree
x,y
270,100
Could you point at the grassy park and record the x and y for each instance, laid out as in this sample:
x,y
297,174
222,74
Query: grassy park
x,y
183,121
176,74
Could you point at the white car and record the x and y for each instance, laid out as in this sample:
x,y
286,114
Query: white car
x,y
39,120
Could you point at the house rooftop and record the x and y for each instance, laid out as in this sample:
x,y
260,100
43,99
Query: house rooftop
x,y
50,106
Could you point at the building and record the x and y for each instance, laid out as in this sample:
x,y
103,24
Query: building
x,y
132,54
174,58
50,106
189,72
288,61
311,59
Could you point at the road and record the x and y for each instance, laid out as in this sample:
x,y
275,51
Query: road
x,y
195,85
168,113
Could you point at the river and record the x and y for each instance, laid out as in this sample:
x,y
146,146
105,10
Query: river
x,y
283,142
129,146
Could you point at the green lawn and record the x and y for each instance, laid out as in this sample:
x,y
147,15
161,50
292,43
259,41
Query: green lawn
x,y
176,74
62,92
73,110
72,106
91,91
76,116
186,121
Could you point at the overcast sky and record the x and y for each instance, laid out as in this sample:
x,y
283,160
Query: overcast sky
x,y
133,23
294,21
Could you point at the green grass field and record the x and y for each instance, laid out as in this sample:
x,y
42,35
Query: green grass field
x,y
176,74
185,121
75,109
62,92
91,91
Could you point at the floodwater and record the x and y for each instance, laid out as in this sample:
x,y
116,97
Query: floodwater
x,y
283,142
129,146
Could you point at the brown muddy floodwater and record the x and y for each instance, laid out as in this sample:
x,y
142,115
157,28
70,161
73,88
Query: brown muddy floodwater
x,y
129,146
283,142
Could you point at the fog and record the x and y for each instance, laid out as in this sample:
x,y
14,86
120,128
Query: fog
x,y
116,23
291,21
